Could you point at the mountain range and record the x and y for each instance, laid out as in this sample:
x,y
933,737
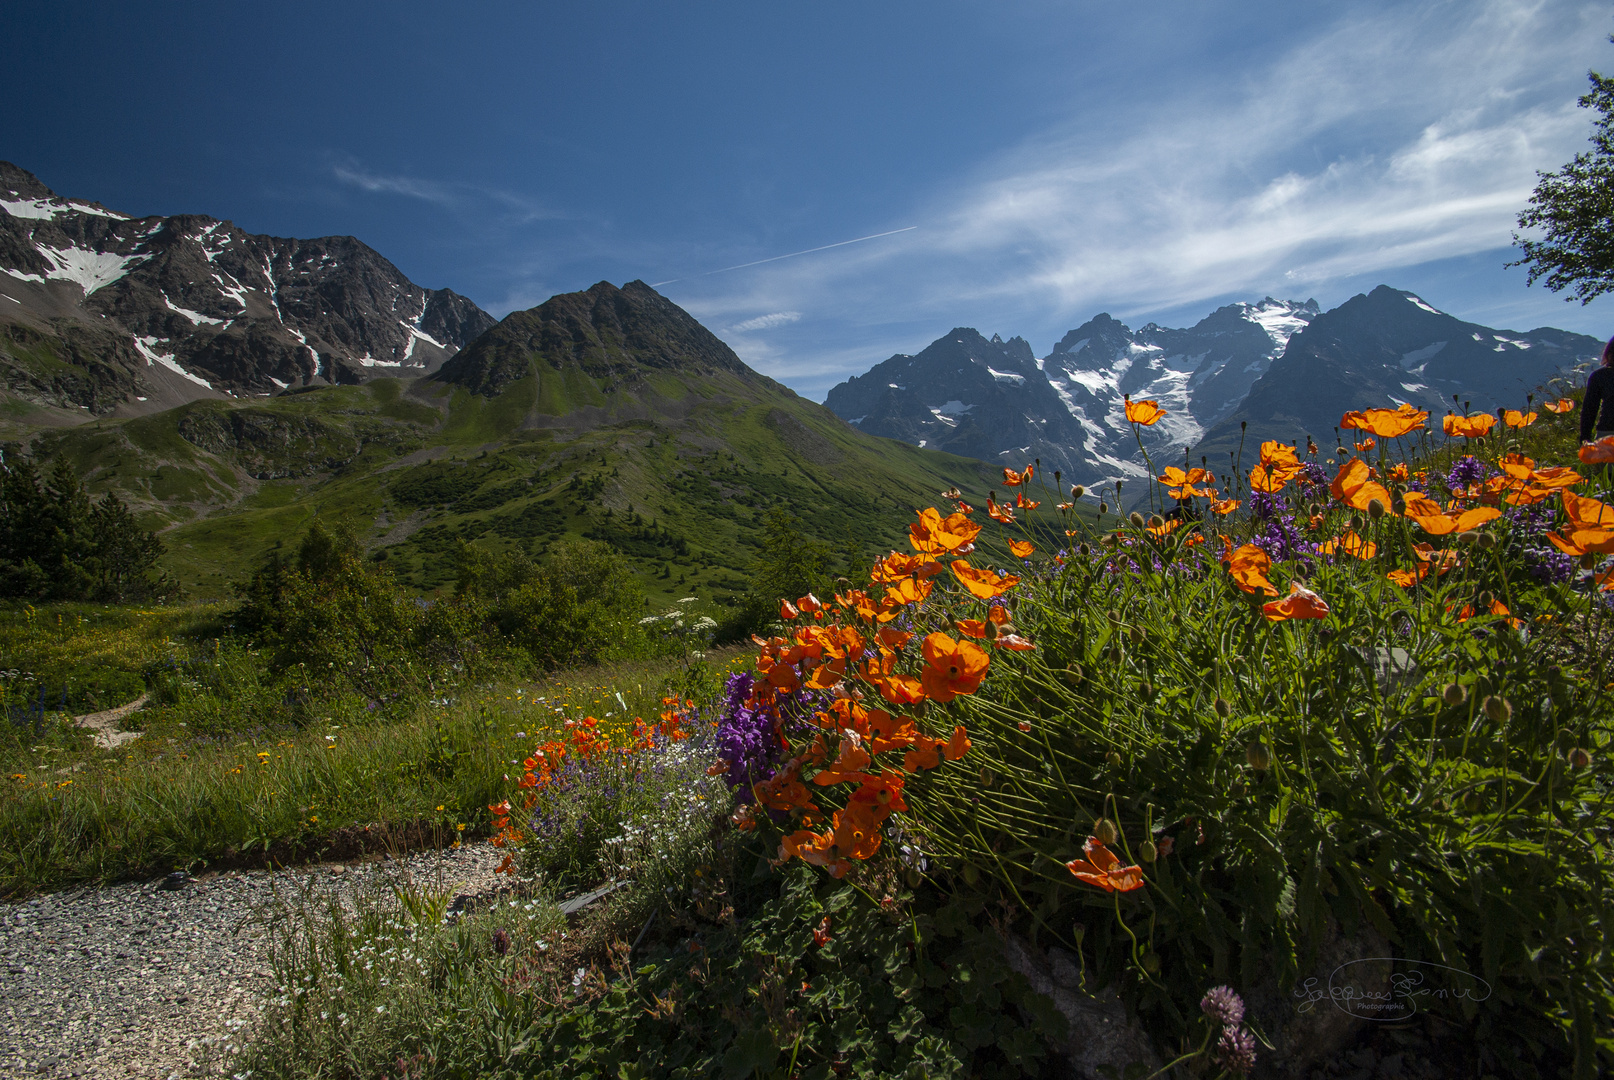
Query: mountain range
x,y
106,313
1271,369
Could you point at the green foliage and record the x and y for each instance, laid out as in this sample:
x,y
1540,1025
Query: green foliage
x,y
55,543
1318,780
1575,208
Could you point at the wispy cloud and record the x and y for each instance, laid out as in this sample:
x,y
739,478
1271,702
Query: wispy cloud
x,y
1395,137
453,195
765,322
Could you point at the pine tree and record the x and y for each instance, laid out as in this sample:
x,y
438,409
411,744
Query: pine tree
x,y
1575,208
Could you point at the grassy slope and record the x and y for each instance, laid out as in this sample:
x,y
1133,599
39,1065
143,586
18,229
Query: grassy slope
x,y
677,471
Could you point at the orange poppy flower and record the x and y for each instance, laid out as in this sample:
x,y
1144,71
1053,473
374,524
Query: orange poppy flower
x,y
1406,578
1561,406
1365,445
981,582
1587,513
1398,471
1103,868
952,667
1583,541
1301,603
1164,529
1355,489
1605,580
1474,426
1022,548
1440,560
1182,484
1350,544
907,592
787,610
1013,642
1515,419
1497,608
1600,452
934,535
1225,506
999,511
1015,479
1385,423
1249,566
957,745
896,566
1024,503
1556,476
1143,412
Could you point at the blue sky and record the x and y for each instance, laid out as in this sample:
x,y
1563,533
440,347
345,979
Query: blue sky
x,y
1046,161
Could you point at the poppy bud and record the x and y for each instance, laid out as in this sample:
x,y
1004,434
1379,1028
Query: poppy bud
x,y
971,875
1056,472
1356,522
1103,507
1485,599
1114,617
1454,694
1114,759
1136,519
1146,689
1375,509
1115,654
1579,758
1341,453
1588,561
1467,537
1077,491
1156,521
913,877
1148,852
1312,509
1498,709
1258,755
1083,549
1073,675
1223,708
1104,831
1151,963
1486,541
986,777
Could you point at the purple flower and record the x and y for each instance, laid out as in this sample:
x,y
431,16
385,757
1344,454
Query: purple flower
x,y
1235,1050
1223,1005
501,941
1466,472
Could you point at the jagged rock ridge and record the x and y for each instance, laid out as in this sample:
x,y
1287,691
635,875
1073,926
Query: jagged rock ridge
x,y
102,309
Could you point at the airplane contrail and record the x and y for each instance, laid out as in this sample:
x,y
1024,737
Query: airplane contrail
x,y
792,255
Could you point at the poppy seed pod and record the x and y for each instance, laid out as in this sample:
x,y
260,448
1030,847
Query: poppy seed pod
x,y
1498,708
1454,694
1148,852
1077,491
1486,541
1104,831
1375,509
1136,519
1223,708
1258,755
1103,507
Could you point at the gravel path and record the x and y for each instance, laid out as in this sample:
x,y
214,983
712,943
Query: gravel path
x,y
135,980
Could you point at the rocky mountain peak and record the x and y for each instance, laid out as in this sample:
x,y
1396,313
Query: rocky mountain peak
x,y
186,306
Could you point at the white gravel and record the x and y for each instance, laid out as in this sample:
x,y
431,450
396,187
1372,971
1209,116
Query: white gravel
x,y
134,980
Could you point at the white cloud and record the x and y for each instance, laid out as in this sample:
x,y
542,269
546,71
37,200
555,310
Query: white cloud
x,y
453,195
1393,138
765,322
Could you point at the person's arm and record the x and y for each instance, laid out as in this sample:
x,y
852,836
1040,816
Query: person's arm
x,y
1589,406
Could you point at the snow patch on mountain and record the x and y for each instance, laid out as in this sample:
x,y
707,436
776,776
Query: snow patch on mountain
x,y
90,270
